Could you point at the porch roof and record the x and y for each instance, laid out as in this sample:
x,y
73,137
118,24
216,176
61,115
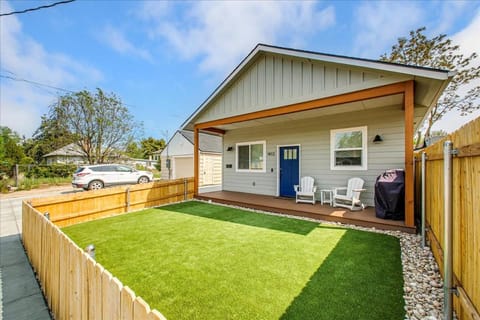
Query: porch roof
x,y
426,79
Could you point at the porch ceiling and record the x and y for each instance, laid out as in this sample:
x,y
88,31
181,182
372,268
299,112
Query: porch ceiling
x,y
391,100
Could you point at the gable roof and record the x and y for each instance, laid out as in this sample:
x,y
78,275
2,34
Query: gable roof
x,y
416,71
70,150
208,142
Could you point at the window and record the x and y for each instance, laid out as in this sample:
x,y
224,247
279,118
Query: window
x,y
251,156
348,149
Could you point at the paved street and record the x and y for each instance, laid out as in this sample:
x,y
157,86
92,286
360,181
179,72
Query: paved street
x,y
20,294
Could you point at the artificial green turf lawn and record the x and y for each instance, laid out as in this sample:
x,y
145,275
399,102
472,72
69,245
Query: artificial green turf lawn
x,y
201,261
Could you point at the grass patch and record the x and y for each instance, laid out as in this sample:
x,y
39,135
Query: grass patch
x,y
200,261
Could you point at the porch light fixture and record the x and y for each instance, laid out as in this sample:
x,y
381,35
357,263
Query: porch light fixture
x,y
230,148
377,139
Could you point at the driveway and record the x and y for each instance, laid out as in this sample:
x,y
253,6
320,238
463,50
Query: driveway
x,y
20,294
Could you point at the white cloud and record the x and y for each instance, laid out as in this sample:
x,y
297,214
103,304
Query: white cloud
x,y
468,37
378,24
22,57
117,40
222,33
449,12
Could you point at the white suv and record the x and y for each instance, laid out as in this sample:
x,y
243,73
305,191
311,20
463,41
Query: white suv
x,y
102,175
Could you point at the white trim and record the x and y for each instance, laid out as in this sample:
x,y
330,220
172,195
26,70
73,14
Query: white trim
x,y
278,163
264,160
364,165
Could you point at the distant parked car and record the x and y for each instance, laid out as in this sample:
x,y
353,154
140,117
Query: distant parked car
x,y
94,177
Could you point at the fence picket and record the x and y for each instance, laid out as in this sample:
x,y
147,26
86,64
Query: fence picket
x,y
126,303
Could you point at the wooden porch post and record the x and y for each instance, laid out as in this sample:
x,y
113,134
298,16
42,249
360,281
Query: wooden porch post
x,y
409,192
195,160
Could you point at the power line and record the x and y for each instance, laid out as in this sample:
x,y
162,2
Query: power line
x,y
36,8
40,85
35,83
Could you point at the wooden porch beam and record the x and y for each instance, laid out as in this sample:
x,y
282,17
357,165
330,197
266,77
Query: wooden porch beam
x,y
215,130
409,178
196,159
360,95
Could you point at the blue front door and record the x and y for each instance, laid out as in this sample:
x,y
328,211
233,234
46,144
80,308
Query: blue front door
x,y
289,170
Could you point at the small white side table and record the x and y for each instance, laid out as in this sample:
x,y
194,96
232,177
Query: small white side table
x,y
326,196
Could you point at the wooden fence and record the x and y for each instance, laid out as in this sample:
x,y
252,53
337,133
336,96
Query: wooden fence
x,y
85,206
74,285
466,212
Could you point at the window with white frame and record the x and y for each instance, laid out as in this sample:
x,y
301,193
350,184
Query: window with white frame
x,y
250,156
348,149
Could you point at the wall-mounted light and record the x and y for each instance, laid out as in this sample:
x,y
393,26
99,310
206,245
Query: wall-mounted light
x,y
230,148
377,139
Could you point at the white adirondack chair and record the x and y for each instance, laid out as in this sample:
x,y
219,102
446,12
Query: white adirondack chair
x,y
351,198
305,192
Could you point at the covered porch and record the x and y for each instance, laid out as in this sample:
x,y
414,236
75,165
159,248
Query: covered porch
x,y
365,218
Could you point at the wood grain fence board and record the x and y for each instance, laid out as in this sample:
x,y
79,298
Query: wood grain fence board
x,y
74,284
140,309
95,300
106,307
55,284
155,315
63,272
115,288
127,296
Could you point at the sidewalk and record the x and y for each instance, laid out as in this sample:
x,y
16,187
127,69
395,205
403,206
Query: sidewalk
x,y
20,294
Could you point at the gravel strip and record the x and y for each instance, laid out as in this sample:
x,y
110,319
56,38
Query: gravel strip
x,y
423,286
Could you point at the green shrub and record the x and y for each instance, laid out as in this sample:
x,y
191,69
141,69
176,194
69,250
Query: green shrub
x,y
51,171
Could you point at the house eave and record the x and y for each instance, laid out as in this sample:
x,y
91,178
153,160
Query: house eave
x,y
414,71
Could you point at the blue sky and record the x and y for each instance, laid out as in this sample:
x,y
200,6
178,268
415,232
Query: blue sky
x,y
163,59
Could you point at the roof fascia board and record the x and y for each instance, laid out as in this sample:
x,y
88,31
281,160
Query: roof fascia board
x,y
364,63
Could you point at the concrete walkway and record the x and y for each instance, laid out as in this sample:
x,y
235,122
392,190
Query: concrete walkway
x,y
20,294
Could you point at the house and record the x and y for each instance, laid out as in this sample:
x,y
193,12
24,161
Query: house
x,y
177,158
72,154
286,113
69,154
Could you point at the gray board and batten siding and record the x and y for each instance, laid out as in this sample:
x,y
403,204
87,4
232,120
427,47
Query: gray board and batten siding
x,y
275,80
313,136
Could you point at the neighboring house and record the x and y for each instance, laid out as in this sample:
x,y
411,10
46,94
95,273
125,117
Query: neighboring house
x,y
69,154
287,113
156,155
72,154
177,158
148,164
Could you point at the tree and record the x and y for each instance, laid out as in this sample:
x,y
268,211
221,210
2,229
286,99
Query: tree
x,y
133,151
51,135
102,125
11,151
150,145
440,53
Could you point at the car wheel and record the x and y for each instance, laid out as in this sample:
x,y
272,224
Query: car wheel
x,y
143,179
95,185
